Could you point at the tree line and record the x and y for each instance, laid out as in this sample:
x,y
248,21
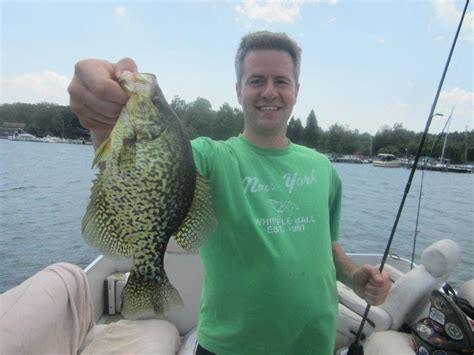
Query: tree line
x,y
200,119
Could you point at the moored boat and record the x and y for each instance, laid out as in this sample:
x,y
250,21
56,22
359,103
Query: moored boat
x,y
387,161
25,137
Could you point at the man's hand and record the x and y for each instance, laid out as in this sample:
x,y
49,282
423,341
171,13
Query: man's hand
x,y
95,95
371,285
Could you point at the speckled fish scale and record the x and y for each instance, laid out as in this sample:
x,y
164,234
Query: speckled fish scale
x,y
148,191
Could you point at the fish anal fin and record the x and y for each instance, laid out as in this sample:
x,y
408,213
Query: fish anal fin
x,y
200,220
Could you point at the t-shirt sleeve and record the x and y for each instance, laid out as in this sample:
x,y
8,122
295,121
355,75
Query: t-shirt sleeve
x,y
203,153
335,198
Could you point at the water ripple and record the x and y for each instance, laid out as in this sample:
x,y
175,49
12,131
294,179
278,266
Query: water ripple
x,y
45,190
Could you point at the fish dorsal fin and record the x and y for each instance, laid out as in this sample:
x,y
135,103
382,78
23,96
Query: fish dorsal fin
x,y
200,220
102,154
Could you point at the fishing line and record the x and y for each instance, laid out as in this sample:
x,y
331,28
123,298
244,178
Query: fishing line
x,y
355,347
435,143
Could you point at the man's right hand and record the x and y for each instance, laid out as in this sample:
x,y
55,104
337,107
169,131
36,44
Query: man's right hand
x,y
96,97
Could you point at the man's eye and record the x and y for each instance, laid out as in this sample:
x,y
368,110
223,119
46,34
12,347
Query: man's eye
x,y
255,81
282,82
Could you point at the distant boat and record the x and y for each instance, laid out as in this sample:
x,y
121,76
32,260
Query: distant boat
x,y
444,166
387,161
25,137
352,159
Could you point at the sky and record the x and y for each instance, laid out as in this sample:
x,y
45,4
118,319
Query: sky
x,y
365,64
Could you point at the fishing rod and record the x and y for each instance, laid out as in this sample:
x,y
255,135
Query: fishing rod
x,y
356,348
436,141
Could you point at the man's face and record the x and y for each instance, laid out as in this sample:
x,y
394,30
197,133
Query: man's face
x,y
267,91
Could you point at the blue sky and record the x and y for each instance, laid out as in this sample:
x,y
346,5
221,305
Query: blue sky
x,y
365,64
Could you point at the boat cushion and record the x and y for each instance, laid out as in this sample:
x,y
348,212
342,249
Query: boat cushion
x,y
389,342
189,343
136,337
377,318
348,323
466,291
410,294
441,258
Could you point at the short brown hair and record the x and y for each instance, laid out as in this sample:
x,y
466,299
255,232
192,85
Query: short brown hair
x,y
267,40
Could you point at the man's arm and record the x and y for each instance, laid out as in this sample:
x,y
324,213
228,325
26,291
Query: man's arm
x,y
366,281
96,97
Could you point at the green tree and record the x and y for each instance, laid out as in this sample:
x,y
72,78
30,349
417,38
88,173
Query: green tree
x,y
295,130
395,137
201,117
229,122
390,149
312,132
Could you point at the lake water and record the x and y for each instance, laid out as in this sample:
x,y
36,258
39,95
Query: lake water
x,y
44,190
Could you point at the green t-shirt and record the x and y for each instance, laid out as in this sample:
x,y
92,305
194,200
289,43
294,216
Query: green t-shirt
x,y
270,280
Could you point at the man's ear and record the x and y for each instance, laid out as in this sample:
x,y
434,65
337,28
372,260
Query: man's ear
x,y
297,91
237,90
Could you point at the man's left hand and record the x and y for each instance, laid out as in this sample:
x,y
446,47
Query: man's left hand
x,y
371,285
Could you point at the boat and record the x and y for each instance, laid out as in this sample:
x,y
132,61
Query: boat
x,y
407,303
25,137
387,161
446,167
442,164
351,159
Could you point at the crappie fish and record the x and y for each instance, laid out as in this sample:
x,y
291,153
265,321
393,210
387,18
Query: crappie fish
x,y
147,192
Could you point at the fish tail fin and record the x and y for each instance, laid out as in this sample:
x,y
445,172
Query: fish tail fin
x,y
166,298
200,220
141,298
102,153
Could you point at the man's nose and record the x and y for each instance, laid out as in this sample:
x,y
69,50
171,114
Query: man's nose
x,y
269,91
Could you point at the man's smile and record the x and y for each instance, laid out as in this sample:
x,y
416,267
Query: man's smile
x,y
268,108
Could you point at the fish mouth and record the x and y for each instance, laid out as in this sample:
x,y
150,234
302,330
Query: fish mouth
x,y
137,78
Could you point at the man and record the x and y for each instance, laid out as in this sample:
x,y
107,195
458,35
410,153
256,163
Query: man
x,y
271,265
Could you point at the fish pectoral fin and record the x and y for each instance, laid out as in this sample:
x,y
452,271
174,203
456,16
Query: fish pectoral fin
x,y
200,220
102,153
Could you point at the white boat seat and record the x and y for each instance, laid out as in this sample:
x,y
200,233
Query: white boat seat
x,y
189,343
152,336
186,273
389,342
156,336
348,324
409,295
466,291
